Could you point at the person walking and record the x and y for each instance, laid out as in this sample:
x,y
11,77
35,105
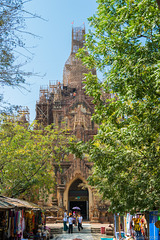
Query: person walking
x,y
70,221
80,218
65,213
74,219
65,227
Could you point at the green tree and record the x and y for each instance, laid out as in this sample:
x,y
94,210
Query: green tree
x,y
124,44
27,154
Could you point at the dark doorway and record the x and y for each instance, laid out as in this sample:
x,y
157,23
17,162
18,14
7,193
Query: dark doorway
x,y
78,197
82,205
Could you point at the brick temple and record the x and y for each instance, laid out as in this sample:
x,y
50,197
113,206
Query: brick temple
x,y
66,105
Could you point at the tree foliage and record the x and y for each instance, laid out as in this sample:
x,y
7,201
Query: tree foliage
x,y
124,44
12,22
14,54
27,154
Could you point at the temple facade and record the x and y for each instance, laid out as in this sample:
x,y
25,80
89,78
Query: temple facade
x,y
67,104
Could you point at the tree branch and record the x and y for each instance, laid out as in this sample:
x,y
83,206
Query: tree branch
x,y
158,3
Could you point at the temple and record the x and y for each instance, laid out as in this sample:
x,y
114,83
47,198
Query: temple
x,y
67,104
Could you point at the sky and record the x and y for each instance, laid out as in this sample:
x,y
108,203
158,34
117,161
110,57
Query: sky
x,y
52,48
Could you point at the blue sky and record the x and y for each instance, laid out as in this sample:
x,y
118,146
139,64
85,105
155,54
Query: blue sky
x,y
53,48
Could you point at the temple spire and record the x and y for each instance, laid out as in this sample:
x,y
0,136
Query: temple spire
x,y
73,70
77,38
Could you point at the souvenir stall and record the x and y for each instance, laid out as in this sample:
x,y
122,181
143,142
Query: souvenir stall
x,y
22,220
131,227
35,225
139,227
4,211
119,225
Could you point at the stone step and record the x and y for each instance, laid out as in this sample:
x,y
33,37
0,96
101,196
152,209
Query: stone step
x,y
87,229
56,231
108,231
51,219
95,230
84,230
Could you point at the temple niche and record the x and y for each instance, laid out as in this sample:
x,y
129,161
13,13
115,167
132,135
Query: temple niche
x,y
66,105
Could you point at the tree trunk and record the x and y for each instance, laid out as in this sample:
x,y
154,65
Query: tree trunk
x,y
158,2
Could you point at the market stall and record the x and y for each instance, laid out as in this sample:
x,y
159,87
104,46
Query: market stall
x,y
4,210
131,226
21,220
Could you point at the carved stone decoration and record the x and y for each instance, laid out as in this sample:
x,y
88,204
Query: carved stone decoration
x,y
95,215
67,106
60,215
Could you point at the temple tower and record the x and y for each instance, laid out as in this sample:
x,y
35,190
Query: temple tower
x,y
74,70
67,103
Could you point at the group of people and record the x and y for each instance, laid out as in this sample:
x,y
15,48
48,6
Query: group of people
x,y
72,219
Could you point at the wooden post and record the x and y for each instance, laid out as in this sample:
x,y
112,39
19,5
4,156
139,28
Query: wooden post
x,y
119,222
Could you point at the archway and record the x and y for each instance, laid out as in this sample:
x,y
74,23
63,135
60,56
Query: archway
x,y
78,196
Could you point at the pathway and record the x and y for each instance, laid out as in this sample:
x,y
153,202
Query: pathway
x,y
84,234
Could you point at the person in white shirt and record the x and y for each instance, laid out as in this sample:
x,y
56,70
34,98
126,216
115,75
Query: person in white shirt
x,y
80,218
65,213
65,227
70,221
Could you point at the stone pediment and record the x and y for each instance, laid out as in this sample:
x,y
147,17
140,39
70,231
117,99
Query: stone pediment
x,y
80,99
78,167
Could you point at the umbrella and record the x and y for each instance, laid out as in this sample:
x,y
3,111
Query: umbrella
x,y
76,208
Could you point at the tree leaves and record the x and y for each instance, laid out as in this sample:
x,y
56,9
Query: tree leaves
x,y
124,44
27,154
11,22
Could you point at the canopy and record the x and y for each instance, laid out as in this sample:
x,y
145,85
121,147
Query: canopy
x,y
9,203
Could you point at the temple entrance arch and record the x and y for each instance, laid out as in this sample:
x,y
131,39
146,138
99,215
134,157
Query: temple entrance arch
x,y
79,196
